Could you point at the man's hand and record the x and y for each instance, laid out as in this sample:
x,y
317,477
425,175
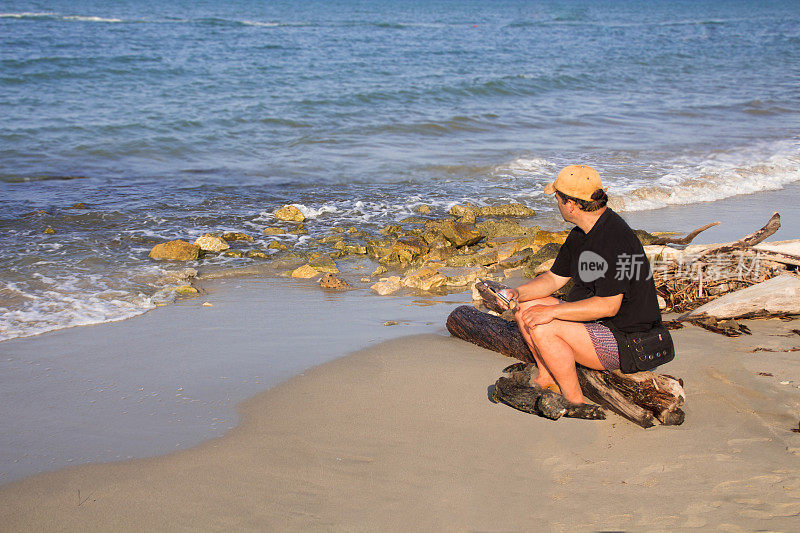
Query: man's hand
x,y
537,314
511,295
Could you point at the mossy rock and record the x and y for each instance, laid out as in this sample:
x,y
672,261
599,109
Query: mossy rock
x,y
185,290
233,253
237,236
413,244
518,259
256,254
289,213
459,234
377,248
505,228
392,229
545,253
178,250
275,245
413,220
506,210
324,263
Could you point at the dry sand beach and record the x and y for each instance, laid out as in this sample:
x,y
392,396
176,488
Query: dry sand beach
x,y
403,436
400,435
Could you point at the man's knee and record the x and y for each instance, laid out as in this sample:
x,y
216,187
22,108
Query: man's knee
x,y
543,332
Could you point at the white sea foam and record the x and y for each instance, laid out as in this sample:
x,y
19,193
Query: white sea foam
x,y
685,179
532,165
261,24
718,176
81,18
45,303
310,212
26,15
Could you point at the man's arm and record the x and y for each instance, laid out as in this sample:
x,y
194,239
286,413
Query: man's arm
x,y
542,285
580,311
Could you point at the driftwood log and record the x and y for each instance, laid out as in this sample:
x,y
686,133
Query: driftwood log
x,y
687,239
516,391
686,280
642,398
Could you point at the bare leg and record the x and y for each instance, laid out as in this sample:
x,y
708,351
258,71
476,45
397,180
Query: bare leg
x,y
544,378
559,345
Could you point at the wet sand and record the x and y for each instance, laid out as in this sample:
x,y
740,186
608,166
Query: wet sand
x,y
171,378
403,436
399,435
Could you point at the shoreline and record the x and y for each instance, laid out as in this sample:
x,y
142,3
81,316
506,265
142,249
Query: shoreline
x,y
405,431
170,402
171,378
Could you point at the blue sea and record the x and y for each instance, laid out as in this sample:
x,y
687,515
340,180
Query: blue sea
x,y
167,120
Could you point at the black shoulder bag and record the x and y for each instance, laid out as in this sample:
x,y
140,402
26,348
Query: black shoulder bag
x,y
643,350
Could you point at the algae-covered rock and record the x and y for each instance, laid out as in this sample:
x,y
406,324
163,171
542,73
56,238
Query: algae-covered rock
x,y
392,229
424,209
178,250
461,210
378,249
465,215
545,253
331,281
413,220
275,245
185,290
79,205
459,277
233,253
289,213
236,236
380,270
350,249
256,254
438,254
387,286
544,237
273,231
425,278
211,243
504,228
299,230
413,244
323,263
458,234
506,210
49,231
304,272
516,260
482,258
331,239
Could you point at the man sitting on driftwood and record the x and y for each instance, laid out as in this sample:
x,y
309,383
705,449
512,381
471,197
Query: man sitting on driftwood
x,y
610,319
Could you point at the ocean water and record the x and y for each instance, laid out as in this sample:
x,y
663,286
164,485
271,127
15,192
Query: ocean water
x,y
168,120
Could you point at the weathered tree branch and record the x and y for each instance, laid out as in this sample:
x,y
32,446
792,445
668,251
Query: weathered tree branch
x,y
756,237
687,239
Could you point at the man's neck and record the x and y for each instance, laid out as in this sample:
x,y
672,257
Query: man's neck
x,y
587,219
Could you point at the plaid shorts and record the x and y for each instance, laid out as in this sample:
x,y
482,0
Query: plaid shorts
x,y
605,345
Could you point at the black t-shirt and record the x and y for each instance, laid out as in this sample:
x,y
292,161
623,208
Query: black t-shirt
x,y
607,261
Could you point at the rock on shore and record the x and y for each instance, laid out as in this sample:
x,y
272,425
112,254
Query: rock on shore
x,y
178,250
